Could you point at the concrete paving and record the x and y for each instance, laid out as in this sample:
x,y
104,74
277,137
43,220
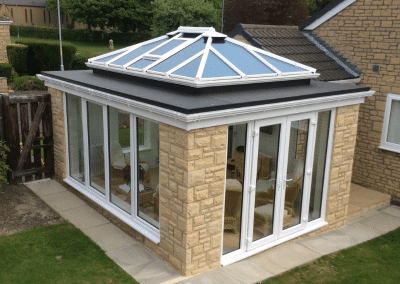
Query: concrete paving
x,y
145,267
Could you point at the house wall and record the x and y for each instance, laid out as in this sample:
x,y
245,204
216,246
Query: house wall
x,y
4,41
38,18
368,33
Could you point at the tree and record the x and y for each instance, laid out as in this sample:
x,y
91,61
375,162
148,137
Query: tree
x,y
126,15
168,15
265,12
316,5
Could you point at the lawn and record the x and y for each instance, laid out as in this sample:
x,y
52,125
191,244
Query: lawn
x,y
375,261
89,49
56,254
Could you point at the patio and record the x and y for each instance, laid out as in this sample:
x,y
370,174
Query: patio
x,y
139,262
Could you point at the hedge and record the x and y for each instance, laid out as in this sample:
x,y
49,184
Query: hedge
x,y
5,71
18,56
81,35
78,63
28,83
45,55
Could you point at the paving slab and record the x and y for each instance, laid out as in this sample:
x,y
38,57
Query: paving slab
x,y
320,245
246,271
382,222
291,255
63,201
392,210
45,187
84,217
131,258
152,272
109,237
263,260
358,233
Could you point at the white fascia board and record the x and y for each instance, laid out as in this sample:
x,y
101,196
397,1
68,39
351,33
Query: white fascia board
x,y
200,84
348,81
212,118
329,15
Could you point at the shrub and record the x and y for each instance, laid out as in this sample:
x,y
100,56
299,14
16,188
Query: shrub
x,y
5,71
78,63
3,163
14,75
18,56
45,55
28,83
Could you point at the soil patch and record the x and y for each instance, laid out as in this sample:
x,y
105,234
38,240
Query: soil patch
x,y
21,209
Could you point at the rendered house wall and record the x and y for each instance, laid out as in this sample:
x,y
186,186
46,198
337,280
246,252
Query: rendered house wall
x,y
367,33
4,41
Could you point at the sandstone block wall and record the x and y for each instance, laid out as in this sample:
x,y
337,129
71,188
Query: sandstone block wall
x,y
368,33
3,85
192,167
4,41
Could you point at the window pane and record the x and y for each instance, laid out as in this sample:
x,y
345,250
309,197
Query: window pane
x,y
394,123
75,138
234,187
120,150
321,146
267,165
96,145
167,47
295,172
148,173
281,65
215,67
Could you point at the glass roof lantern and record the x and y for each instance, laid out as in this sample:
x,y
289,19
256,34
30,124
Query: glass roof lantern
x,y
201,57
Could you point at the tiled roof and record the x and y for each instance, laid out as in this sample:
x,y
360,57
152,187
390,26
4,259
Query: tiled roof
x,y
29,3
302,47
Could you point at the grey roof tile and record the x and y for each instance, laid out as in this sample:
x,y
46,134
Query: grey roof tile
x,y
291,43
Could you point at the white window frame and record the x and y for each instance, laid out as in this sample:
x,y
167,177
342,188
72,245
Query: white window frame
x,y
385,145
132,219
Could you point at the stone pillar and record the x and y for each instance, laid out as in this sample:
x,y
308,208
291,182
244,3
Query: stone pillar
x,y
57,108
3,85
344,141
193,166
4,40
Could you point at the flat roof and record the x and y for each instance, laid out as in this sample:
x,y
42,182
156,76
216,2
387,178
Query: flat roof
x,y
189,100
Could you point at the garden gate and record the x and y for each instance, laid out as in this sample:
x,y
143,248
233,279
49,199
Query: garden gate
x,y
27,128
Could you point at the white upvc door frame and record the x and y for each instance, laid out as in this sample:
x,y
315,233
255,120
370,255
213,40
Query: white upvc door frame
x,y
280,188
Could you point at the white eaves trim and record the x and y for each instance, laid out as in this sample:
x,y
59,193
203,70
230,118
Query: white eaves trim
x,y
205,83
329,14
211,118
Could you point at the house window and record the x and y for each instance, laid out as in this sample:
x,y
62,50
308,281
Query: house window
x,y
44,15
12,13
49,17
66,18
26,15
391,126
106,161
31,15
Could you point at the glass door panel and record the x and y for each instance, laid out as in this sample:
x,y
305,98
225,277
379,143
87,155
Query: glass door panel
x,y
266,185
294,177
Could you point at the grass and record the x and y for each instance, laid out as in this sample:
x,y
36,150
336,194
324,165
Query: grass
x,y
375,261
30,257
124,136
86,49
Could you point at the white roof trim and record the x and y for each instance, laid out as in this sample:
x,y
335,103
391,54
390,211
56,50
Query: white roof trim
x,y
195,121
5,22
329,15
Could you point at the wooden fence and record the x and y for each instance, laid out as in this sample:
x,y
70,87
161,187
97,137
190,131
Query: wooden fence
x,y
26,126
